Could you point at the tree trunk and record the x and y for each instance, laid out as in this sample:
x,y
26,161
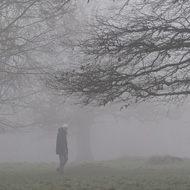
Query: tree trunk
x,y
84,152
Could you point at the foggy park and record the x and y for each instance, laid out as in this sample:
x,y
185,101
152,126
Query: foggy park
x,y
164,132
94,94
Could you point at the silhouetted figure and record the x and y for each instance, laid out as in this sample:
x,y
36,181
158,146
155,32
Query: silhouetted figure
x,y
61,147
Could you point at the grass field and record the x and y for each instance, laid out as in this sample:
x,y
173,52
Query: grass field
x,y
127,173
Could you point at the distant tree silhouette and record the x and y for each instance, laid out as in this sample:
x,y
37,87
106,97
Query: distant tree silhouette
x,y
28,33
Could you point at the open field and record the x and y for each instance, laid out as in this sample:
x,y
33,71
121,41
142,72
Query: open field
x,y
127,173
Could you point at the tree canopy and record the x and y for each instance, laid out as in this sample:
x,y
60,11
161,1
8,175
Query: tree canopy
x,y
140,53
29,30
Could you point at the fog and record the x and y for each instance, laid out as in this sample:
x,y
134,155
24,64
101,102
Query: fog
x,y
110,138
141,131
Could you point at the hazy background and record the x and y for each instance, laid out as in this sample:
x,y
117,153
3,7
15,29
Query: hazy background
x,y
166,132
145,130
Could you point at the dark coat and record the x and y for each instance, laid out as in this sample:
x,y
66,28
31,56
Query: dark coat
x,y
61,142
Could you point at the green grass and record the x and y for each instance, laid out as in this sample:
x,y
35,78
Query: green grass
x,y
127,173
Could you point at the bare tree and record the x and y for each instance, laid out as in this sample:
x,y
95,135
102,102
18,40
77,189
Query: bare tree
x,y
139,54
29,31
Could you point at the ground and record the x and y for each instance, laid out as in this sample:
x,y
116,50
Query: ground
x,y
127,173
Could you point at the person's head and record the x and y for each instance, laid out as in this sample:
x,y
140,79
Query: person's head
x,y
65,127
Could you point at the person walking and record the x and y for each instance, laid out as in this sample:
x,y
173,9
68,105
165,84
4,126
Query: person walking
x,y
62,148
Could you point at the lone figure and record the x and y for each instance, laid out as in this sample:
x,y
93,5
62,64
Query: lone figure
x,y
61,147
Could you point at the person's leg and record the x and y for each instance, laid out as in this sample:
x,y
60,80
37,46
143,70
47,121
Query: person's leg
x,y
61,160
65,159
61,164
